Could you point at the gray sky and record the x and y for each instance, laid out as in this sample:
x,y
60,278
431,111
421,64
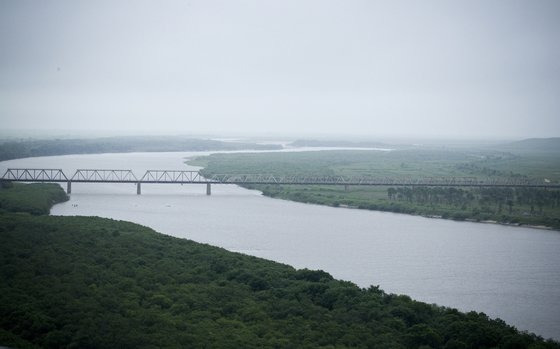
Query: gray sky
x,y
488,68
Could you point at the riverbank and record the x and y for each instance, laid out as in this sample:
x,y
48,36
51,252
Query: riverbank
x,y
385,206
35,199
94,282
520,206
541,227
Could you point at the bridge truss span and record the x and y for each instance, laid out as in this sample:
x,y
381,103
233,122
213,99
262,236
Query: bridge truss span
x,y
172,176
34,175
104,176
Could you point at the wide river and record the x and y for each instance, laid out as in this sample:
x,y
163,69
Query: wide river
x,y
508,272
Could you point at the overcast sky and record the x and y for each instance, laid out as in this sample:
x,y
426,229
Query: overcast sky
x,y
485,68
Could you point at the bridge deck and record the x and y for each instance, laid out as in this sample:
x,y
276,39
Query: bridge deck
x,y
195,177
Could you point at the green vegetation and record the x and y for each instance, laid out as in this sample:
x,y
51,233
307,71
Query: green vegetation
x,y
87,282
513,206
338,143
28,148
36,199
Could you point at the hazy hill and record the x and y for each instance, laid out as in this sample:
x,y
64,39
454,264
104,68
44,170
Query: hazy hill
x,y
533,145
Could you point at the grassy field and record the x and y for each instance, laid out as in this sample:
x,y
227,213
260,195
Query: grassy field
x,y
88,282
539,207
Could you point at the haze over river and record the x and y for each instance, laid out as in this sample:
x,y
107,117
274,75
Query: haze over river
x,y
507,272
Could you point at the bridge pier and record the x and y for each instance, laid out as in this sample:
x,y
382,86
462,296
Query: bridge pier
x,y
69,187
138,188
208,189
345,187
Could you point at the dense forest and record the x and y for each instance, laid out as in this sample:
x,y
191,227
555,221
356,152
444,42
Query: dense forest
x,y
87,282
29,148
530,206
36,199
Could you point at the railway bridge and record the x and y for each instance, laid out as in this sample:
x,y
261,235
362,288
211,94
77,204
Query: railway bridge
x,y
195,177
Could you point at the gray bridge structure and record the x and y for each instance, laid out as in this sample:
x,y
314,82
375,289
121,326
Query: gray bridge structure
x,y
195,177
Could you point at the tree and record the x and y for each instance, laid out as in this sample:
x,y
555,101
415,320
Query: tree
x,y
509,202
391,192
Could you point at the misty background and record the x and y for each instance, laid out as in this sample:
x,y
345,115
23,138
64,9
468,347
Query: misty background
x,y
469,69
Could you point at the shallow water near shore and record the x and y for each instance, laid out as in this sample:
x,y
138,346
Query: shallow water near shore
x,y
506,272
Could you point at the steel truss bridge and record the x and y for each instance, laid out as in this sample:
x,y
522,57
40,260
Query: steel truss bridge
x,y
195,177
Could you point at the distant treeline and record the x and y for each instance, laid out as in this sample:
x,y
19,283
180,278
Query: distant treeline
x,y
494,199
525,206
30,148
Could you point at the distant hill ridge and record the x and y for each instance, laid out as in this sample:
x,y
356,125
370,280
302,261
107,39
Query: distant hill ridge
x,y
534,144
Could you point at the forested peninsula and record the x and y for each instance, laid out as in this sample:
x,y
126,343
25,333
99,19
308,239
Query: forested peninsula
x,y
538,160
88,282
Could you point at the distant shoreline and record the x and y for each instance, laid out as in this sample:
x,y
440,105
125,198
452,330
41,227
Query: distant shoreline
x,y
470,220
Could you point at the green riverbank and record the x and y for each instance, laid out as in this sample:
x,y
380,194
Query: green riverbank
x,y
520,206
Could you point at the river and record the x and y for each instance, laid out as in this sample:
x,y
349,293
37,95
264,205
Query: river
x,y
508,272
